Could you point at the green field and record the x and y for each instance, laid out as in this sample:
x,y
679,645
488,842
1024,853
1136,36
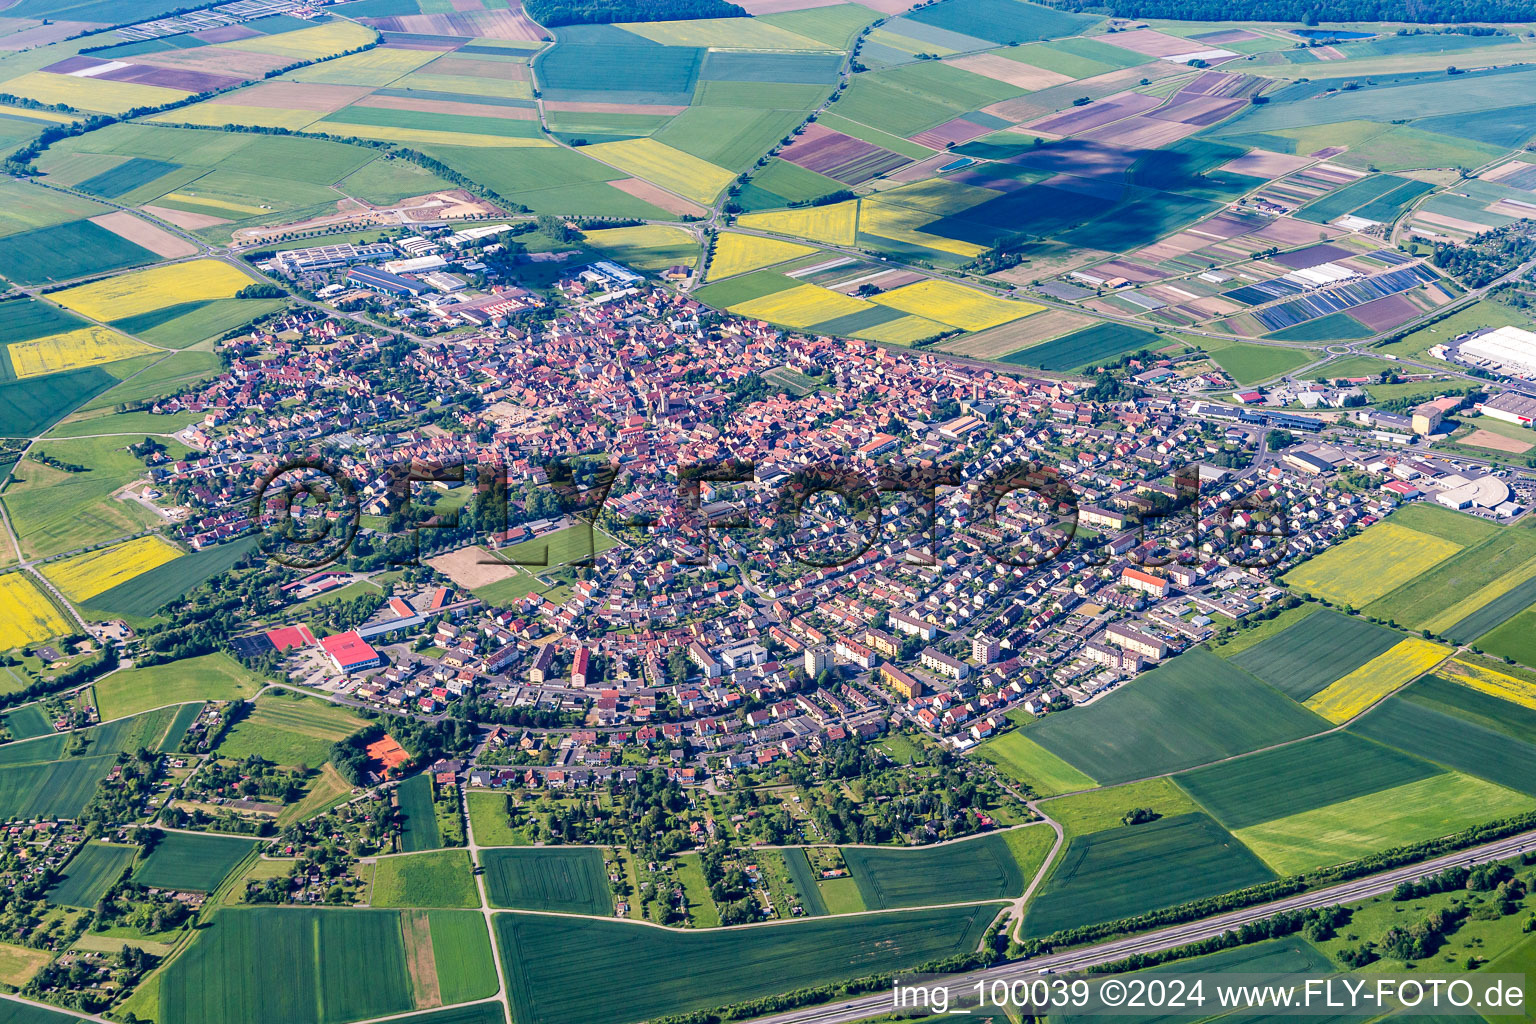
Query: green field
x,y
1102,809
1091,345
206,677
1460,728
24,319
798,867
1427,809
1027,762
289,730
51,789
1372,563
488,818
149,592
185,716
188,324
568,880
1249,364
191,863
1136,868
461,945
1314,652
1516,638
336,965
28,722
1420,602
54,511
1300,777
68,251
437,878
29,407
1186,712
977,869
90,873
419,831
651,972
163,377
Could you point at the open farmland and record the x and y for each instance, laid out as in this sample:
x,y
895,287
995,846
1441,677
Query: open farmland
x,y
82,577
560,881
1099,810
51,789
149,591
436,878
1370,565
1306,657
654,972
206,677
1189,711
1135,868
1481,677
736,253
338,965
1300,777
1458,587
414,799
956,305
195,863
1437,806
90,873
1463,729
146,291
976,869
1348,696
88,346
289,730
672,169
1027,762
27,614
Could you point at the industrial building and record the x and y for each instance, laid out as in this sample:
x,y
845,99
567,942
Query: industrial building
x,y
1511,407
1507,350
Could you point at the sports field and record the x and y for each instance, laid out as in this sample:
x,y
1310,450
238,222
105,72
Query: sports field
x,y
289,730
1352,694
654,972
191,863
1027,762
419,830
437,878
1436,806
90,873
1189,711
144,291
1370,565
27,614
1128,870
82,577
1300,777
561,881
206,677
1305,657
1462,729
976,869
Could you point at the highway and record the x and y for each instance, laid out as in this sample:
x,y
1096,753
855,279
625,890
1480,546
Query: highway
x,y
1167,938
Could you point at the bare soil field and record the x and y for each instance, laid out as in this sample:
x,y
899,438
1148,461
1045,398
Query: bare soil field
x,y
182,219
1001,69
658,197
141,232
472,567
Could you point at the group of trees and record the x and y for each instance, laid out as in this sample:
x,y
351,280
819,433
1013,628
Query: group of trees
x,y
602,12
1489,255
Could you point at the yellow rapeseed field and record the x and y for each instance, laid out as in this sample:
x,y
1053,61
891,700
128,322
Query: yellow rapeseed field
x,y
902,223
662,165
144,291
736,253
907,330
84,576
956,305
308,43
1497,684
1343,700
89,93
89,346
936,195
26,613
1372,563
801,306
836,224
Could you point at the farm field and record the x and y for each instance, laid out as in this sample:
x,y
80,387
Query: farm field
x,y
1102,809
1436,806
82,577
1135,868
51,789
1189,711
1300,777
1471,673
437,878
665,972
206,677
1460,728
72,350
188,862
289,730
1027,762
148,291
149,591
1309,655
414,799
737,253
27,613
976,869
1458,587
1371,564
1348,696
90,873
561,881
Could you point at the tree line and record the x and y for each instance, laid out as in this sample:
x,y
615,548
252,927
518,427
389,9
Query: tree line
x,y
1310,12
604,12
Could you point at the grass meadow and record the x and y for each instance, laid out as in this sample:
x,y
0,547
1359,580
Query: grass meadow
x,y
564,880
437,878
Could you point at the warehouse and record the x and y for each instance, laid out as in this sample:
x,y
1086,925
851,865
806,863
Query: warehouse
x,y
1511,407
384,281
1510,350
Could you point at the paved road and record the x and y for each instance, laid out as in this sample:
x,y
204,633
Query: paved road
x,y
1167,938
